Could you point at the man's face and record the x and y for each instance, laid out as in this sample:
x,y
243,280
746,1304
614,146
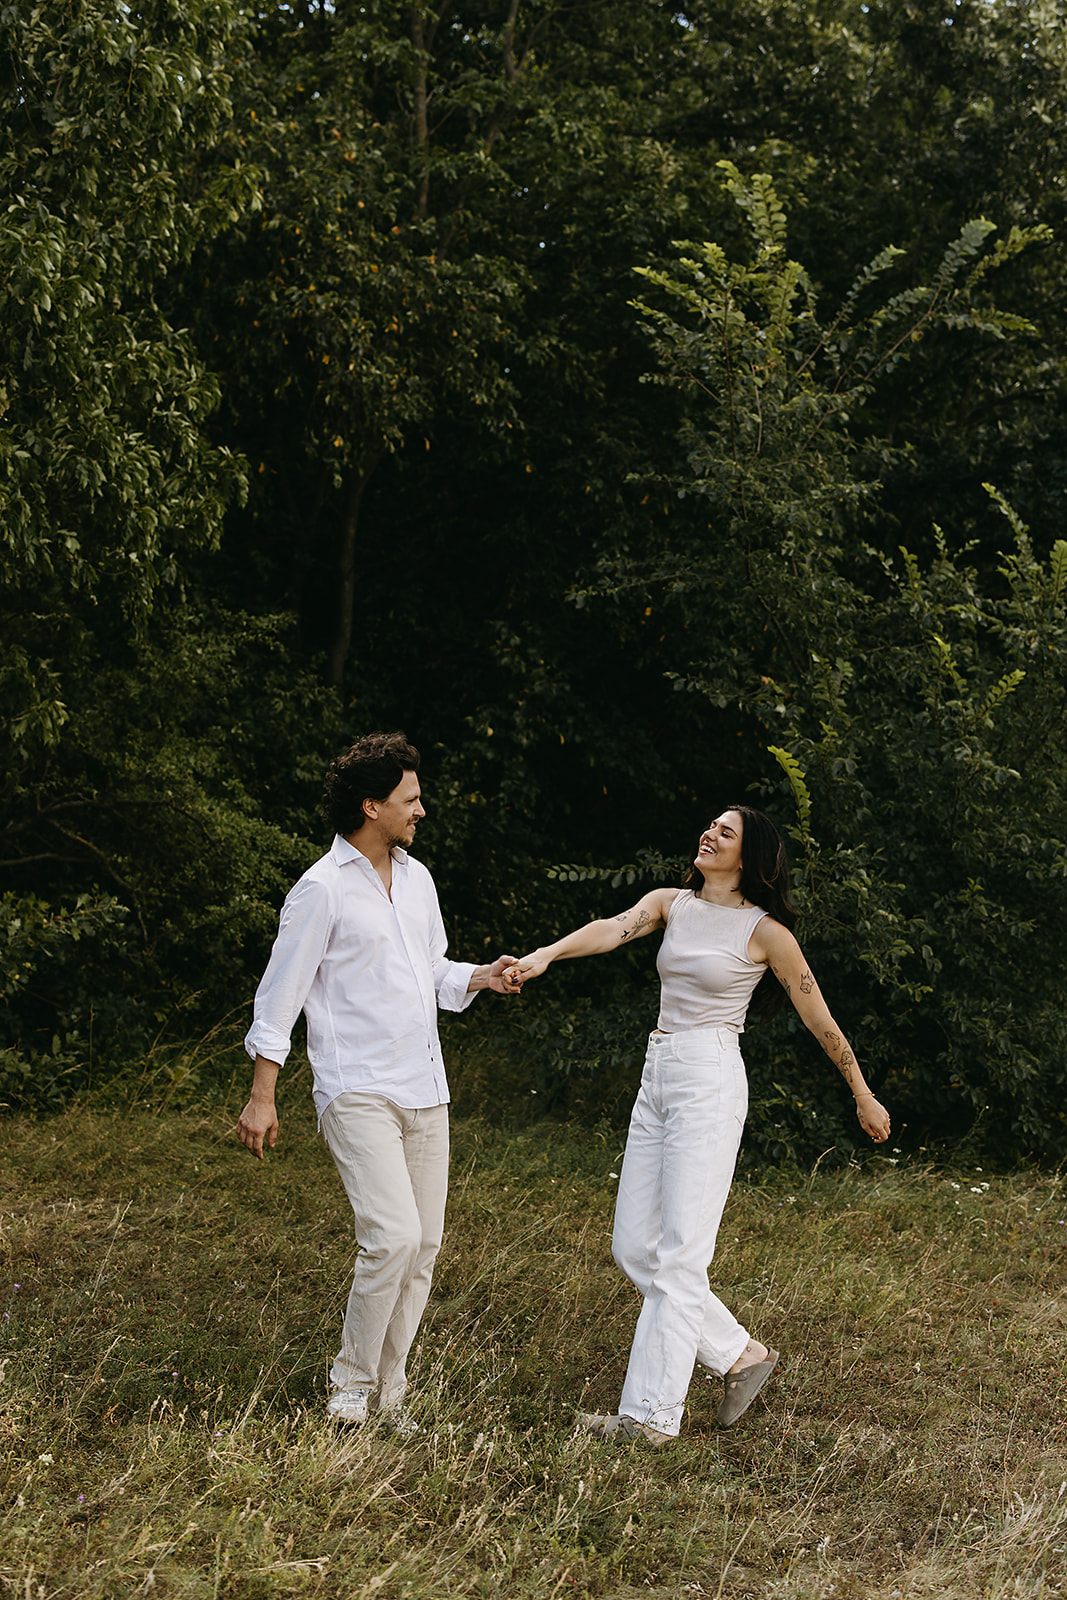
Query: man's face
x,y
397,814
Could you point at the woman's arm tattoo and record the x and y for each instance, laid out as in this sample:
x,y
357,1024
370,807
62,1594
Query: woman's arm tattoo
x,y
784,982
643,919
846,1061
807,983
845,1065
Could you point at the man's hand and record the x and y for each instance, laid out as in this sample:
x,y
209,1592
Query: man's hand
x,y
258,1122
259,1119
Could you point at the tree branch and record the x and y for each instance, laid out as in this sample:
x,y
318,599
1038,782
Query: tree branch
x,y
109,869
48,855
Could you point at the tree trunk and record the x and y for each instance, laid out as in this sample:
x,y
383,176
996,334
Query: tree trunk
x,y
422,124
346,573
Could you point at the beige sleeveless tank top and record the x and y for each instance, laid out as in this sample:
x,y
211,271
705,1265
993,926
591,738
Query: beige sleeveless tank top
x,y
703,965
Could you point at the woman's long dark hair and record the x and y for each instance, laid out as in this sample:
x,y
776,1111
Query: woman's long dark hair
x,y
764,882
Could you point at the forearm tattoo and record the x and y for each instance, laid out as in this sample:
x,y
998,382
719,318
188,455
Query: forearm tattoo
x,y
807,983
643,919
846,1061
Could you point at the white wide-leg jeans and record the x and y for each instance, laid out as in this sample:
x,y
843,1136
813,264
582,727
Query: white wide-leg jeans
x,y
394,1166
681,1151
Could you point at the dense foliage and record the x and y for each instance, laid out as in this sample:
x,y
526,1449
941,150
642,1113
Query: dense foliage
x,y
916,709
129,743
354,373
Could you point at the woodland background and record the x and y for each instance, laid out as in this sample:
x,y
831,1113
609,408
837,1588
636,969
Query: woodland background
x,y
645,409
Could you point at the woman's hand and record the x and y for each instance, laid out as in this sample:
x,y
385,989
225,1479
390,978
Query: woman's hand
x,y
530,966
874,1118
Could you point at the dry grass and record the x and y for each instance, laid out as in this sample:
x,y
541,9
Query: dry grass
x,y
169,1309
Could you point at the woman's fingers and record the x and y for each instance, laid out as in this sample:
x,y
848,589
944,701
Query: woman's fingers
x,y
874,1120
525,967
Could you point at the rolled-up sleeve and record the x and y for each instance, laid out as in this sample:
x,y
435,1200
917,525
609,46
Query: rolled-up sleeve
x,y
304,930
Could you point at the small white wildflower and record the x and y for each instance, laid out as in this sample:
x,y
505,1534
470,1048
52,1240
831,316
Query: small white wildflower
x,y
46,1460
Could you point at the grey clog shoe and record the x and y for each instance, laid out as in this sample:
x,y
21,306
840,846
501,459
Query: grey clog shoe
x,y
743,1387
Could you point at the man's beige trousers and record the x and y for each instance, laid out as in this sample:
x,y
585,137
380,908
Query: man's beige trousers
x,y
394,1166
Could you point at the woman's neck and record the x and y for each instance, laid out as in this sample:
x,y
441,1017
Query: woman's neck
x,y
721,894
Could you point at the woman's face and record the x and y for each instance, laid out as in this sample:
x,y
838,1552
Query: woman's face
x,y
719,850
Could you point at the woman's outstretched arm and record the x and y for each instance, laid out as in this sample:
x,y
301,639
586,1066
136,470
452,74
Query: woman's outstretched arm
x,y
776,946
597,938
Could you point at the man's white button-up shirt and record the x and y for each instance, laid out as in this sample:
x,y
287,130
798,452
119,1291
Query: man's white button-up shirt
x,y
369,973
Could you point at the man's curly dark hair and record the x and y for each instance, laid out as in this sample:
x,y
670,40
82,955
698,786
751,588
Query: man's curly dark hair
x,y
370,770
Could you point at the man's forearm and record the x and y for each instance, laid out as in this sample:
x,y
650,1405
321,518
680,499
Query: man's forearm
x,y
479,978
492,977
264,1078
258,1121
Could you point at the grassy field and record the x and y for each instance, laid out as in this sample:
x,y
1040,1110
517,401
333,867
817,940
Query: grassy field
x,y
168,1310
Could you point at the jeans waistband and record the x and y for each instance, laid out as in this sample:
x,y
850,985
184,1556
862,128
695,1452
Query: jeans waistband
x,y
718,1029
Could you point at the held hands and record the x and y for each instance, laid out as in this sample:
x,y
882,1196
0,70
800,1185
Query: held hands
x,y
499,976
874,1118
524,967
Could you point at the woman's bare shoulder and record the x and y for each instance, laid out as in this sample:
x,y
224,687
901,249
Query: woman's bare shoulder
x,y
770,938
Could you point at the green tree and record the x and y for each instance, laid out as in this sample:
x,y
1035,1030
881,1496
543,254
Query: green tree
x,y
106,479
904,121
126,713
917,715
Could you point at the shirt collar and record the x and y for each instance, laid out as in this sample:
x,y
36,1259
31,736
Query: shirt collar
x,y
342,851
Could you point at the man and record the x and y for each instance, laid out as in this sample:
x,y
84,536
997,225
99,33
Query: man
x,y
361,950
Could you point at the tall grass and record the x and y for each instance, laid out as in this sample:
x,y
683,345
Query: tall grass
x,y
169,1308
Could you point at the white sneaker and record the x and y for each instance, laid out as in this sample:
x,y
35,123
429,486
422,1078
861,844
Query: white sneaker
x,y
348,1405
398,1420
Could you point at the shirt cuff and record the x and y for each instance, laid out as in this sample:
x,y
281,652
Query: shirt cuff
x,y
260,1041
452,994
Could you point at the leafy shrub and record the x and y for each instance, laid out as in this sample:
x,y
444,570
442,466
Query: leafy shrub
x,y
915,710
50,961
184,780
932,745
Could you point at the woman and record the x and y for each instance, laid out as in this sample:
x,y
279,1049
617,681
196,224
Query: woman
x,y
727,944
